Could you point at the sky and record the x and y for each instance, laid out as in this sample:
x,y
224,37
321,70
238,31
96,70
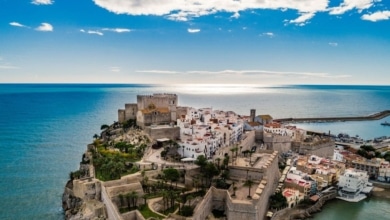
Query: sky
x,y
262,42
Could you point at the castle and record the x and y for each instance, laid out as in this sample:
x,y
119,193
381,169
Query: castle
x,y
149,110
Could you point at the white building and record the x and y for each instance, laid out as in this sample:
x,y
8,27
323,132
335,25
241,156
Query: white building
x,y
293,197
353,185
204,131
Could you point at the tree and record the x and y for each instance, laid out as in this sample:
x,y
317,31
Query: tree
x,y
121,200
248,183
145,197
210,171
171,174
277,201
95,136
104,127
201,161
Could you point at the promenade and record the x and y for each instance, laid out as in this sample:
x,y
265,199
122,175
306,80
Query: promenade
x,y
376,116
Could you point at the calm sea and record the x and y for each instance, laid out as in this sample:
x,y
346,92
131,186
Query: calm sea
x,y
44,129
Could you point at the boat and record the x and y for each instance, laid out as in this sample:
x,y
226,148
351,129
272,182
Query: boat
x,y
385,123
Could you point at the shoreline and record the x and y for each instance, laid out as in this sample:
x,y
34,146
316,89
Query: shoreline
x,y
381,192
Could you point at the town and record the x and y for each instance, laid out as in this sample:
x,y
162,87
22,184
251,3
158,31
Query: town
x,y
165,161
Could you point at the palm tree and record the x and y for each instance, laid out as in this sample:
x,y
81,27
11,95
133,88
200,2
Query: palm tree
x,y
95,136
145,197
249,182
121,199
133,196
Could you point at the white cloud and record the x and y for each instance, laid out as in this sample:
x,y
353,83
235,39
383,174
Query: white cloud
x,y
17,24
45,27
42,2
377,16
115,69
333,44
8,67
249,73
158,71
268,34
193,30
303,18
183,10
117,30
348,5
92,32
235,15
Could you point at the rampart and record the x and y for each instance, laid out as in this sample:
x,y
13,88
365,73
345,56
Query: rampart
x,y
278,143
133,215
157,132
158,100
323,149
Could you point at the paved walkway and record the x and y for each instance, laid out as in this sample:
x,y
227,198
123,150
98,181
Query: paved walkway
x,y
150,205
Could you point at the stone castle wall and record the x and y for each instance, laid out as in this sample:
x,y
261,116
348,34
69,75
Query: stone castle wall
x,y
87,189
248,141
153,118
158,100
169,132
131,111
321,150
278,143
121,115
133,215
240,209
214,199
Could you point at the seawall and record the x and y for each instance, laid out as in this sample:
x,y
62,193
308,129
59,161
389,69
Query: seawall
x,y
372,117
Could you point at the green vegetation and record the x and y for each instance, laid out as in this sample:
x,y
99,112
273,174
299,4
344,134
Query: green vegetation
x,y
186,211
368,152
147,213
277,201
387,156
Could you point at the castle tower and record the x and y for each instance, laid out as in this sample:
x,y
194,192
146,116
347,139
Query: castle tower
x,y
253,115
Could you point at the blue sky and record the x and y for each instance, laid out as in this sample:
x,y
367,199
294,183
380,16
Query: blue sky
x,y
265,42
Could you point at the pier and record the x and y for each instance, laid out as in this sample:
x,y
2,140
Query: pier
x,y
376,116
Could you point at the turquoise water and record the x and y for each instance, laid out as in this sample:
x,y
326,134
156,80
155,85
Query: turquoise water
x,y
372,208
44,128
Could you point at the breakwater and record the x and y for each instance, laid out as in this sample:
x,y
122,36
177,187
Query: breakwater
x,y
376,116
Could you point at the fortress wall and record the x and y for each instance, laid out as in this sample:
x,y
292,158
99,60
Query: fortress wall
x,y
121,115
270,182
240,209
204,208
249,141
158,100
86,189
131,111
259,135
133,178
133,215
214,199
156,118
321,150
237,172
277,142
164,132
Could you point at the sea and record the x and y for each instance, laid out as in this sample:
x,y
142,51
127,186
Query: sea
x,y
45,128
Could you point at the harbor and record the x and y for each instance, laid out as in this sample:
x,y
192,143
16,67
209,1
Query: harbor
x,y
375,116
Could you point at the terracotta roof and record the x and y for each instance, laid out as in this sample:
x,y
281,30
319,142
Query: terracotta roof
x,y
254,124
265,117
